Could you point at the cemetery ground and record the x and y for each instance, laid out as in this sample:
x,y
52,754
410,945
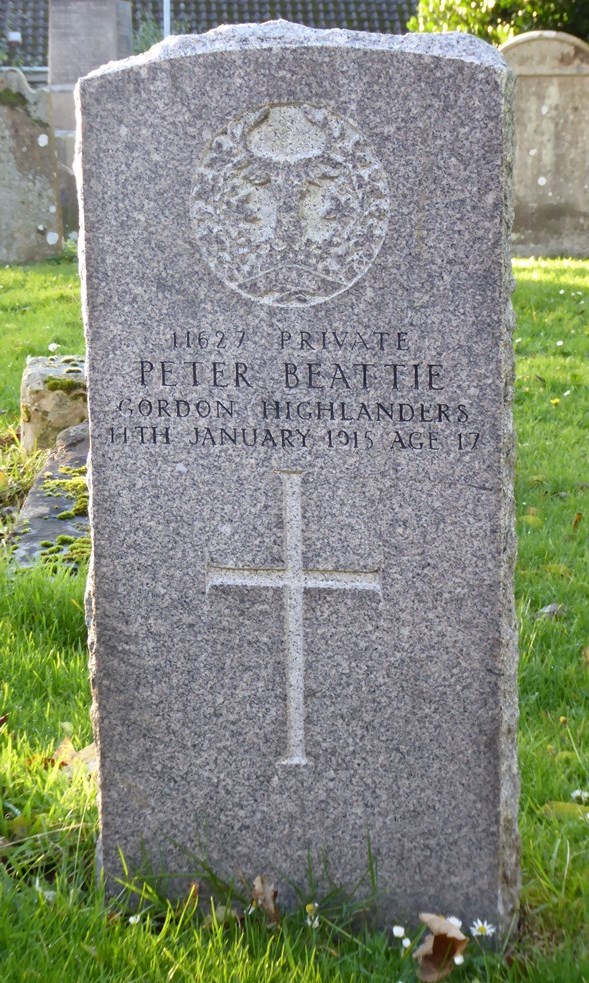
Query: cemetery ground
x,y
54,921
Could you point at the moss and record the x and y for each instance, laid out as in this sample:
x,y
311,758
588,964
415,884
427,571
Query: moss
x,y
10,98
53,384
77,552
25,413
73,485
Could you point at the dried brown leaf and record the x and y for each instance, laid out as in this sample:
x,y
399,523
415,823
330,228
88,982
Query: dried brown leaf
x,y
86,758
435,956
577,520
264,896
64,754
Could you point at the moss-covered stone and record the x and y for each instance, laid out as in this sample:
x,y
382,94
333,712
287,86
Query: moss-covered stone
x,y
54,384
10,98
72,485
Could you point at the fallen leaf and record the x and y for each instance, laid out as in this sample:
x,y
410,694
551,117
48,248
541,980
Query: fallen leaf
x,y
566,810
534,521
264,896
3,720
577,520
551,611
19,827
435,955
64,754
558,569
86,758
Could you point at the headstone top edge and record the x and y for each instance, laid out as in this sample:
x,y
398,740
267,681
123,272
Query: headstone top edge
x,y
559,36
285,34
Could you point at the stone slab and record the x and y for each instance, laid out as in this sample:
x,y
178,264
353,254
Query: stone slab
x,y
297,300
45,527
551,174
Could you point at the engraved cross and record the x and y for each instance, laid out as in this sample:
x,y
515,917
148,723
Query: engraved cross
x,y
293,578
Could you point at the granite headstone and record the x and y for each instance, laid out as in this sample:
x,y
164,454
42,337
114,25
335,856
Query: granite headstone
x,y
297,300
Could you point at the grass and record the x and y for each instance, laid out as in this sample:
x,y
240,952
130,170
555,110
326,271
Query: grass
x,y
55,924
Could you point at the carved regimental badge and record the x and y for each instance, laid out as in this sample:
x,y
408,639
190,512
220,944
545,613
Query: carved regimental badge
x,y
290,205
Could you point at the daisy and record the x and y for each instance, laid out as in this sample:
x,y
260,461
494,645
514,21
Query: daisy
x,y
482,928
312,916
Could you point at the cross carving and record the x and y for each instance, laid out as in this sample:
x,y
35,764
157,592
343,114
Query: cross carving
x,y
293,579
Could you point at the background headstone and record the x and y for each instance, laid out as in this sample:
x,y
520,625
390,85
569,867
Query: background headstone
x,y
297,298
30,225
52,398
551,175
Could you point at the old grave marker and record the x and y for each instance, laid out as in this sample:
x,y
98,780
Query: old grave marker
x,y
297,295
551,174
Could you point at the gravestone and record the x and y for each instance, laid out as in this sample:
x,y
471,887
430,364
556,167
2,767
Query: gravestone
x,y
297,295
30,223
52,399
551,174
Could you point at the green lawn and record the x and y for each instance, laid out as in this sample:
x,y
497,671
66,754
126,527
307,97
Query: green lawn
x,y
54,923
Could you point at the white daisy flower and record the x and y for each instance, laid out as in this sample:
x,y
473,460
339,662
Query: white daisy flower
x,y
454,921
134,919
482,928
398,931
312,916
458,959
580,795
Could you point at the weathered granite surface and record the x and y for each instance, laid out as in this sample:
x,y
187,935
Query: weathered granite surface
x,y
30,227
52,398
551,174
55,513
297,303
